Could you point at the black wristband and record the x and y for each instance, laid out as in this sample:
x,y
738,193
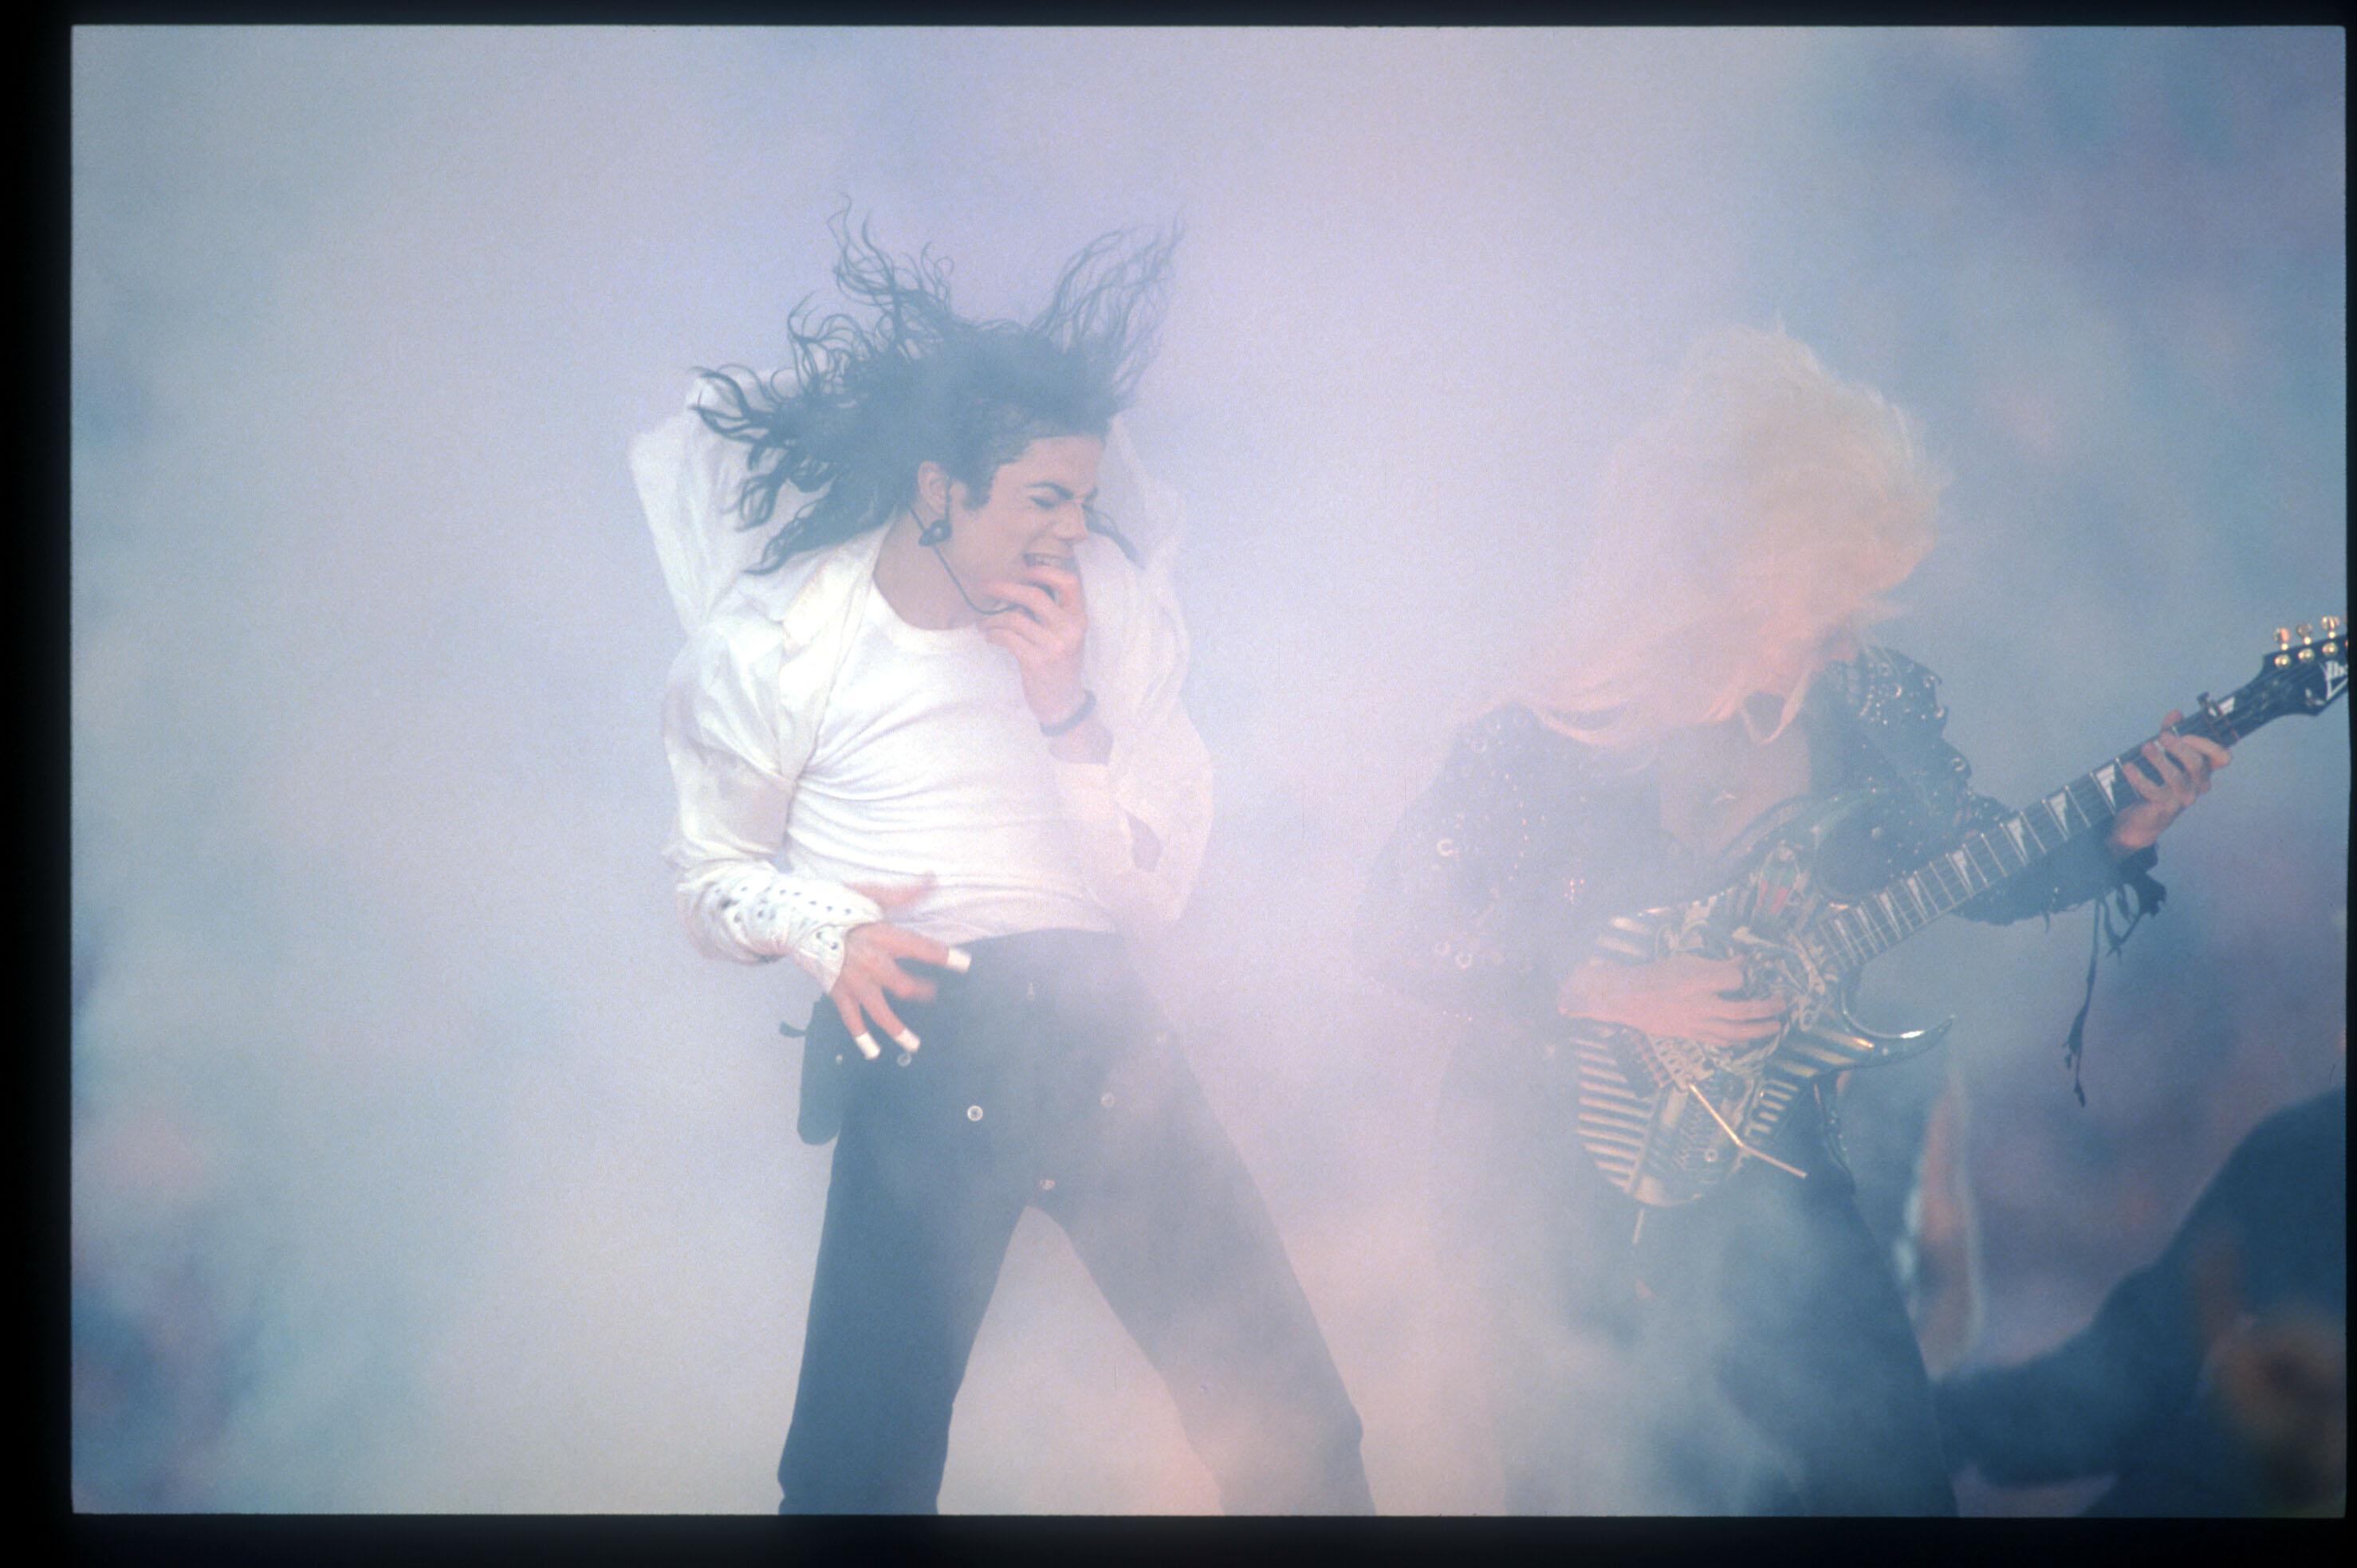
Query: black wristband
x,y
1072,721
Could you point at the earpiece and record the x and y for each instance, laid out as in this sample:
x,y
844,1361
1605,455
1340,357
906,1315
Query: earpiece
x,y
935,534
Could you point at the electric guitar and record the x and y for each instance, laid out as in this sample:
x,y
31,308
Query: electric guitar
x,y
1668,1120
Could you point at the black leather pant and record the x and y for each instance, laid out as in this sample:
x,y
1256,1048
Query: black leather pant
x,y
1746,1353
1047,1079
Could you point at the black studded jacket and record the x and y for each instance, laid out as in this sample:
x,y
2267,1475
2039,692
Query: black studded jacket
x,y
1499,876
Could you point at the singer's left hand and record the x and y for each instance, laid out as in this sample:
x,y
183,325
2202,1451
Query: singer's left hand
x,y
2181,765
1046,633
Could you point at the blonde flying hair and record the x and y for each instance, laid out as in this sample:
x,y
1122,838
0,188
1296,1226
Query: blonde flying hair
x,y
1765,492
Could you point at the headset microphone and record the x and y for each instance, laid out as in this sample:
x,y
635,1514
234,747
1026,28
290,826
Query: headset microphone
x,y
933,536
936,534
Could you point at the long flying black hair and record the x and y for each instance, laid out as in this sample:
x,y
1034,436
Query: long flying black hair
x,y
906,379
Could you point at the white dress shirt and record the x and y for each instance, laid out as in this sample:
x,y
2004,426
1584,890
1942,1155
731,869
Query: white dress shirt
x,y
816,740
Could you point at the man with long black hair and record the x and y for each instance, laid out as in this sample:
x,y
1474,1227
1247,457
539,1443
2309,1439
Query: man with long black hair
x,y
928,744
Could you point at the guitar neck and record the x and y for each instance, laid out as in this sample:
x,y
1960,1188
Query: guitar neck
x,y
2087,804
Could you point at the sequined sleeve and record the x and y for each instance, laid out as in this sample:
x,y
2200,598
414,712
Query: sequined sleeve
x,y
1474,902
1894,703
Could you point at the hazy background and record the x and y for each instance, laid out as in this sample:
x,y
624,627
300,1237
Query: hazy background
x,y
420,1163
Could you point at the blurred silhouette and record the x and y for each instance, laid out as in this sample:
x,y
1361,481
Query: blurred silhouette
x,y
1903,1140
2215,1380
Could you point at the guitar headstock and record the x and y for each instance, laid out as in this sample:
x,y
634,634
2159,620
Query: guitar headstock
x,y
2302,676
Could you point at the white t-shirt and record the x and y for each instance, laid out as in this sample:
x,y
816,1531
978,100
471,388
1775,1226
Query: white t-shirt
x,y
928,761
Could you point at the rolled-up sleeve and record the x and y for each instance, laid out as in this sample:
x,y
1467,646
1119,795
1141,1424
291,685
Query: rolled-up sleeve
x,y
722,733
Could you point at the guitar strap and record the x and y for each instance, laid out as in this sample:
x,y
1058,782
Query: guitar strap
x,y
2134,899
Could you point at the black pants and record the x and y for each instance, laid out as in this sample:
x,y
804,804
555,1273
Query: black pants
x,y
1747,1353
1046,1077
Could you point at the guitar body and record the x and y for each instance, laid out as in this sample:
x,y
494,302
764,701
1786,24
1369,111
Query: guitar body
x,y
1668,1120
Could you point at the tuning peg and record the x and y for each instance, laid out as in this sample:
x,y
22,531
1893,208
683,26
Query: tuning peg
x,y
2307,633
2283,637
2332,625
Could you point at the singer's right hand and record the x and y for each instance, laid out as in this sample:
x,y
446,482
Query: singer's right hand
x,y
872,956
1681,997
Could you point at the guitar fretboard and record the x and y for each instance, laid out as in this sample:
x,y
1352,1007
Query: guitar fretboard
x,y
1879,922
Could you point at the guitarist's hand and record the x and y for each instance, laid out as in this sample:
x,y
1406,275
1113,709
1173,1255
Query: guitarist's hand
x,y
2182,765
1683,997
